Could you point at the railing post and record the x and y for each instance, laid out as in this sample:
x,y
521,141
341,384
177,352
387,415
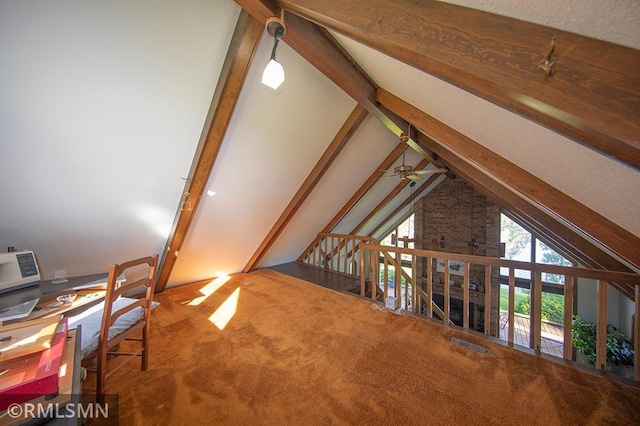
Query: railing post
x,y
415,299
536,311
465,296
512,304
375,274
487,299
362,274
601,327
447,296
568,317
636,336
385,265
430,287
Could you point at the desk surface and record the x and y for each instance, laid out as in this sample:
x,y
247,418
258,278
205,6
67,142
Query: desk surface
x,y
73,283
88,288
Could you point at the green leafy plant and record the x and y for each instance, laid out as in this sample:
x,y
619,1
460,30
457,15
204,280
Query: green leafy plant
x,y
552,308
583,335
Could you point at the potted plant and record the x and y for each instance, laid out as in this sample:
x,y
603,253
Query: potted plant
x,y
583,336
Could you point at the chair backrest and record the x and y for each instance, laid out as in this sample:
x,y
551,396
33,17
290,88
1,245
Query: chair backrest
x,y
147,283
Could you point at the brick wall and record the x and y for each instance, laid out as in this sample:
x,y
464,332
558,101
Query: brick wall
x,y
454,214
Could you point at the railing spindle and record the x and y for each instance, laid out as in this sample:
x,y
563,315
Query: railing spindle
x,y
512,304
415,299
375,274
537,322
447,296
601,327
636,336
385,263
362,276
430,287
568,317
465,296
487,299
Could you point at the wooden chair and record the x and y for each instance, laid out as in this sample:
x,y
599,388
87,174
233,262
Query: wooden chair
x,y
115,308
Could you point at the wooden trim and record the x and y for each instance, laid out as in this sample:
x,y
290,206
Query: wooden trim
x,y
593,274
487,300
341,139
536,311
465,296
601,327
244,42
591,96
429,261
446,290
568,317
636,335
512,303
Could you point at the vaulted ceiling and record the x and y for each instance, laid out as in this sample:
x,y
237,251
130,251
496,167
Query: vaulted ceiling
x,y
118,119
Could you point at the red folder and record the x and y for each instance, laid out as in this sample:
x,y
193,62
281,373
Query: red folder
x,y
30,376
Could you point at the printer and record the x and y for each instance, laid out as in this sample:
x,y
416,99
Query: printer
x,y
19,284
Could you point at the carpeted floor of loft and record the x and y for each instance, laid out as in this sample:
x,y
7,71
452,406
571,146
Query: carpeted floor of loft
x,y
266,348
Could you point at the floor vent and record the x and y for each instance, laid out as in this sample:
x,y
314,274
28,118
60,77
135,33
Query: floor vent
x,y
471,346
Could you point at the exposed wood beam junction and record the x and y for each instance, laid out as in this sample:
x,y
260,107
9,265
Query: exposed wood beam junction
x,y
592,95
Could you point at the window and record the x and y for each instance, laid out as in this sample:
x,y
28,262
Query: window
x,y
521,245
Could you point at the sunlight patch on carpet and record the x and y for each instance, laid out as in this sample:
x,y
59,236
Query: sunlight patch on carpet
x,y
210,288
221,317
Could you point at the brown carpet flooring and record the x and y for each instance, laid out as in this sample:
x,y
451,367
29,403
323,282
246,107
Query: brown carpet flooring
x,y
298,354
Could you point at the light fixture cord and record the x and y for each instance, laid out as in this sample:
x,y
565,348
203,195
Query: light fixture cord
x,y
275,46
276,36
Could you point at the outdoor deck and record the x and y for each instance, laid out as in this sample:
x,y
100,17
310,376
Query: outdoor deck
x,y
552,334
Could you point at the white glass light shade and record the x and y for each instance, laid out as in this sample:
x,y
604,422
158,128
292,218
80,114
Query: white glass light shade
x,y
273,74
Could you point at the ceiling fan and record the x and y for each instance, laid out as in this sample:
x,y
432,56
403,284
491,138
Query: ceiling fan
x,y
408,172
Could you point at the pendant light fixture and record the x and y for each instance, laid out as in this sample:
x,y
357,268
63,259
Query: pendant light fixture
x,y
273,74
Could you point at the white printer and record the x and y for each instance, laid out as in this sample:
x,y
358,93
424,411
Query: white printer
x,y
19,284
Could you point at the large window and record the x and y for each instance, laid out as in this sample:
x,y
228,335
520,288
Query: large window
x,y
522,245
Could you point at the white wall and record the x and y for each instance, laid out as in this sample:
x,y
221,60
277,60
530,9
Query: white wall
x,y
619,307
101,107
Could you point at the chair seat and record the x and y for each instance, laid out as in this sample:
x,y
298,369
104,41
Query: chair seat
x,y
91,320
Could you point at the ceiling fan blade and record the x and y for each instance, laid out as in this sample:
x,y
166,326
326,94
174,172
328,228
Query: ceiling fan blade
x,y
414,177
429,171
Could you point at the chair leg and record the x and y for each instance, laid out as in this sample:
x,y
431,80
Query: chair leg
x,y
101,377
145,349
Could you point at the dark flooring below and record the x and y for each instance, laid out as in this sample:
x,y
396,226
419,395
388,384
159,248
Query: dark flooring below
x,y
321,277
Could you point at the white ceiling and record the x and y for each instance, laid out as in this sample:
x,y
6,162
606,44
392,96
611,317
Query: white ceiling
x,y
102,105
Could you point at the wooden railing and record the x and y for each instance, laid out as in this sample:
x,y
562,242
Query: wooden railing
x,y
337,253
418,290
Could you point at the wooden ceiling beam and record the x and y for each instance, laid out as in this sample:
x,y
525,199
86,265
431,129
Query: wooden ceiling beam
x,y
373,178
549,202
318,47
404,204
591,96
386,200
551,231
244,42
341,139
